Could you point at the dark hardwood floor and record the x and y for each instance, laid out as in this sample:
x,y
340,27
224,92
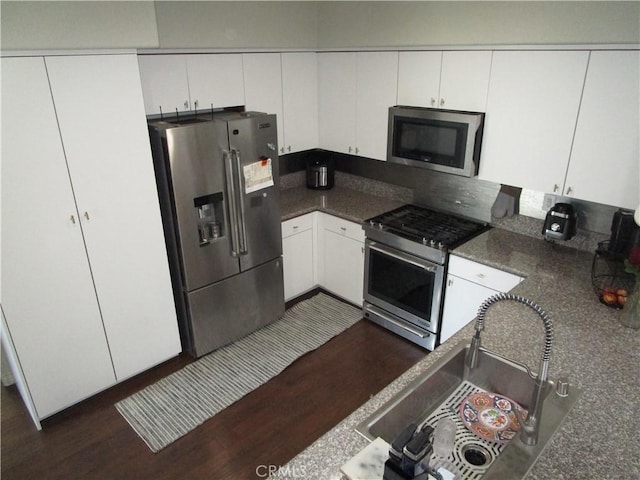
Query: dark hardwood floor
x,y
269,426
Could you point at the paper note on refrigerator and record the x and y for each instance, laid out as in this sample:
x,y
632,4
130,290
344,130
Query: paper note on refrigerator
x,y
258,175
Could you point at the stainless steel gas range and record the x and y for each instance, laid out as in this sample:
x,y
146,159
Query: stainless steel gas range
x,y
406,254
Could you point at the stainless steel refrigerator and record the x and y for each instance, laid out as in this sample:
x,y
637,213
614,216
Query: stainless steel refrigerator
x,y
218,187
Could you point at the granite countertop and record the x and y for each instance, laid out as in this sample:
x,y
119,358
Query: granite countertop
x,y
342,202
601,357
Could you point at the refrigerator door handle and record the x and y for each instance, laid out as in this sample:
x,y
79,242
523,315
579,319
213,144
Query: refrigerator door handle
x,y
232,204
241,223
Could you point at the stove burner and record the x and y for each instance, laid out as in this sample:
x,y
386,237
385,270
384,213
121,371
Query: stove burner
x,y
429,227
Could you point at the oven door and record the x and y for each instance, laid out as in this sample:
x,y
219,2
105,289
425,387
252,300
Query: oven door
x,y
404,285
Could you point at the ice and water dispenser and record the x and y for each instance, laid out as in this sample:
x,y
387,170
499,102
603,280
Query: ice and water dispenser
x,y
209,210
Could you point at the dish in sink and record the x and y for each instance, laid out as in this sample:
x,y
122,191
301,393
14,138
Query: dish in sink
x,y
491,416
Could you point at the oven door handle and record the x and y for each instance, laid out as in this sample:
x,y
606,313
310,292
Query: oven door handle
x,y
398,322
401,257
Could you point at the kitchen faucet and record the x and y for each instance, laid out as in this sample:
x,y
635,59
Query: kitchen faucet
x,y
530,427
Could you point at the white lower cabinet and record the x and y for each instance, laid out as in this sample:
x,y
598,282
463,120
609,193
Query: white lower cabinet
x,y
325,251
86,291
299,255
342,257
468,285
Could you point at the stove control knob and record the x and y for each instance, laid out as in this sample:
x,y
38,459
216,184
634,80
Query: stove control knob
x,y
432,242
440,245
380,225
424,241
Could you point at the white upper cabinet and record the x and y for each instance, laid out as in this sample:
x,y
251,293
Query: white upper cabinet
x,y
181,83
355,93
605,158
464,81
376,90
299,101
164,83
215,81
531,115
419,78
455,80
337,101
263,86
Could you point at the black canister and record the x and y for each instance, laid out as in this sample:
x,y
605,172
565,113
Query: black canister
x,y
320,174
624,232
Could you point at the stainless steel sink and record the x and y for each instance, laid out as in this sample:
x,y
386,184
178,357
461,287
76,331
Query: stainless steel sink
x,y
438,393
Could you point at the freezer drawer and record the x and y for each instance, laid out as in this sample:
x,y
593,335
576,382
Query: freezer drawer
x,y
228,310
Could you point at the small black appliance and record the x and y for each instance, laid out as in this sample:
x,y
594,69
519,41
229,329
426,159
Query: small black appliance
x,y
560,223
624,232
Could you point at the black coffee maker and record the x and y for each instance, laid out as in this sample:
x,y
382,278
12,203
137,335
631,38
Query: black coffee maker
x,y
560,223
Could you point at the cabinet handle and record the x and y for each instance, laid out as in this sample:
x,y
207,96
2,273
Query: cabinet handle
x,y
295,227
357,150
480,275
86,215
442,102
555,187
73,219
349,149
433,101
569,190
449,282
344,229
289,148
195,104
186,104
281,149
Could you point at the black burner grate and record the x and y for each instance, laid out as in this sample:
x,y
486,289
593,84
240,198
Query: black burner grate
x,y
420,224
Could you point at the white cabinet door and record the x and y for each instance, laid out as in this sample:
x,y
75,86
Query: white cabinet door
x,y
300,101
164,83
47,291
377,86
344,266
298,255
461,303
468,285
455,80
604,158
337,101
263,85
531,115
464,81
215,80
341,254
110,165
419,78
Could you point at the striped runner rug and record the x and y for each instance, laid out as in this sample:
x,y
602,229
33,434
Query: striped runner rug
x,y
172,407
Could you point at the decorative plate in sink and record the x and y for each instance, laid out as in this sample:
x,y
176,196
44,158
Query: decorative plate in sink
x,y
491,416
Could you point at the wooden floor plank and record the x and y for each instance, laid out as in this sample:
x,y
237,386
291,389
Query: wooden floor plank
x,y
269,426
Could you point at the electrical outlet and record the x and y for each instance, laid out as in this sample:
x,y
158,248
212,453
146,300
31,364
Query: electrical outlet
x,y
548,202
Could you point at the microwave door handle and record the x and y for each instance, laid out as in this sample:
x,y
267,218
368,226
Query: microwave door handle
x,y
241,222
231,204
402,258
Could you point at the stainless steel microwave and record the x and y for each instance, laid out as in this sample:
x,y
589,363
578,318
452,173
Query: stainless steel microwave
x,y
444,140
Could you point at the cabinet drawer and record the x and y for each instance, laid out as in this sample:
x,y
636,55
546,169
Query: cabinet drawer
x,y
297,225
344,227
483,274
